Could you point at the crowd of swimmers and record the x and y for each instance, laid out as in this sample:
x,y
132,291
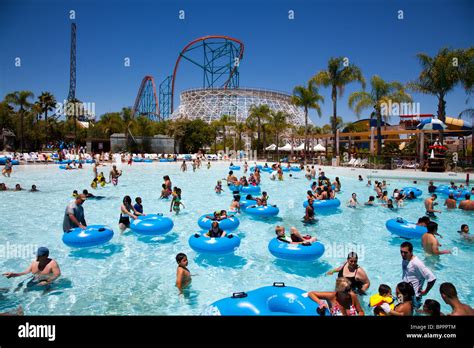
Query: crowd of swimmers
x,y
352,281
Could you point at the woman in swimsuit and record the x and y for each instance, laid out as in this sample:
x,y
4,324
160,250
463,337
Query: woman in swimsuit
x,y
405,295
127,211
235,205
354,273
342,302
183,276
176,201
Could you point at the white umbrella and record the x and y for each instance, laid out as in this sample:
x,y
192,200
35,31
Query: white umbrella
x,y
300,147
287,147
272,147
319,147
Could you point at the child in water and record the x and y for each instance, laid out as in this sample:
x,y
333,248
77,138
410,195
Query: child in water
x,y
176,202
138,205
218,187
165,192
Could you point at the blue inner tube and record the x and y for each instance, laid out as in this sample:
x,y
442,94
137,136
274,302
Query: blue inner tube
x,y
234,167
3,160
268,210
244,203
324,204
229,224
260,167
405,229
148,160
442,188
93,235
285,169
253,190
15,162
458,194
415,190
268,300
152,224
296,252
234,188
136,159
296,169
267,169
206,245
62,166
89,161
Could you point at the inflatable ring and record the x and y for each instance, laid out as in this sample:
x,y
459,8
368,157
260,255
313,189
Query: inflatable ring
x,y
324,204
263,210
3,160
260,167
62,166
407,190
253,190
89,161
136,159
229,224
151,225
206,245
296,252
267,169
405,229
234,188
442,188
15,162
458,194
234,167
295,169
269,300
285,169
244,203
148,160
93,235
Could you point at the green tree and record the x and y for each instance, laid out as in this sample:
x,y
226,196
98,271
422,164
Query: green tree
x,y
442,73
337,76
225,121
260,114
382,93
197,134
278,124
308,98
20,99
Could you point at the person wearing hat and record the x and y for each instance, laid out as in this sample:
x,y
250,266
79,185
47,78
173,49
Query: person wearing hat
x,y
44,269
74,214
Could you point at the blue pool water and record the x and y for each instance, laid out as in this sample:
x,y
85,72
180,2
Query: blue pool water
x,y
136,275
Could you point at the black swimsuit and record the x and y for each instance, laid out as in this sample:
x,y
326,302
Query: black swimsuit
x,y
355,284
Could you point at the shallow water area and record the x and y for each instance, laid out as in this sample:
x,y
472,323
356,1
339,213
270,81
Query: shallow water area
x,y
135,275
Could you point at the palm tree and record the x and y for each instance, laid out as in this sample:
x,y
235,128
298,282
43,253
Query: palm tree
x,y
128,121
20,100
337,76
215,126
309,98
239,129
224,122
469,114
47,102
381,94
260,114
111,123
278,125
250,128
439,75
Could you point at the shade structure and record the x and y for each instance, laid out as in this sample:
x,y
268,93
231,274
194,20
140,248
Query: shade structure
x,y
287,147
271,147
319,147
432,124
300,147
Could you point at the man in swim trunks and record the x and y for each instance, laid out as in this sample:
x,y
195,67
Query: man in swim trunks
x,y
430,243
184,166
183,276
74,214
44,269
114,175
429,206
294,238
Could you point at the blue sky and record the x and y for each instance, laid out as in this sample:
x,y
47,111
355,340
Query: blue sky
x,y
279,53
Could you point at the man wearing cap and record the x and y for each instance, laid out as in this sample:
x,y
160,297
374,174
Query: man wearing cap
x,y
74,214
44,269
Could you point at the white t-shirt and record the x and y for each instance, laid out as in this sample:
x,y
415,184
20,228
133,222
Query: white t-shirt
x,y
415,272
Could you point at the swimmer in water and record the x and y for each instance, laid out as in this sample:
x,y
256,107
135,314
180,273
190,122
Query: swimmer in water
x,y
215,231
183,276
127,211
184,166
33,188
165,192
208,165
465,233
114,175
235,205
429,205
371,201
430,243
218,188
44,269
353,201
450,202
138,205
176,201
